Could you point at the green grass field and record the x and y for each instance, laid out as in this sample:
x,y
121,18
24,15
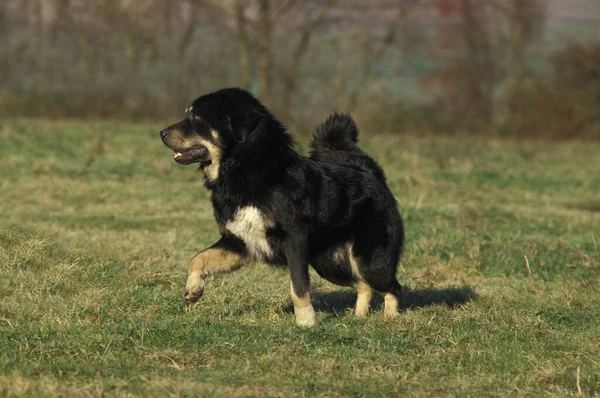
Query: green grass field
x,y
98,225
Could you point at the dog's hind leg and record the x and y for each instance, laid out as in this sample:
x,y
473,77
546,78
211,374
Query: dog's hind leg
x,y
379,274
363,299
391,302
227,255
392,295
377,264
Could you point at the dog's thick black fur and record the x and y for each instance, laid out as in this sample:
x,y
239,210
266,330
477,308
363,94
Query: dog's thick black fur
x,y
332,210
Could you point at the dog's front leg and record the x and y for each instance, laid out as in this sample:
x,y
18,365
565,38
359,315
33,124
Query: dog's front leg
x,y
227,255
297,258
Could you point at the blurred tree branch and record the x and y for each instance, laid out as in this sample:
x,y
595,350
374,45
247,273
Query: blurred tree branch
x,y
243,43
265,17
374,52
291,78
486,60
265,61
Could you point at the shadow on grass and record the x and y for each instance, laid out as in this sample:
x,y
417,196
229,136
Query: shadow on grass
x,y
338,302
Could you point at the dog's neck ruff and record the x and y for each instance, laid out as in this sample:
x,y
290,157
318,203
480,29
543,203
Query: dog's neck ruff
x,y
255,165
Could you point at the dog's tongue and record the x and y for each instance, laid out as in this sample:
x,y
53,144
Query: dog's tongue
x,y
193,155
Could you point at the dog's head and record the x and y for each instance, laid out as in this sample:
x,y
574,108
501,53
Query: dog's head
x,y
213,126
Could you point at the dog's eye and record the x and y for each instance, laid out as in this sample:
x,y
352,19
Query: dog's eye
x,y
194,117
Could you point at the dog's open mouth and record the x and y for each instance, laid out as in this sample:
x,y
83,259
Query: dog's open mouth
x,y
192,155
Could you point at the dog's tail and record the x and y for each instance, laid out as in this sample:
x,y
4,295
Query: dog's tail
x,y
335,141
338,133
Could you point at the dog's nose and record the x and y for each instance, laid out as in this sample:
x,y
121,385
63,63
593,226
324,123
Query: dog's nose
x,y
164,133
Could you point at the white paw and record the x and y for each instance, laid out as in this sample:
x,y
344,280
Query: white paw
x,y
305,317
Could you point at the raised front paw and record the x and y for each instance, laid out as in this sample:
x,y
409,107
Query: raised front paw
x,y
194,288
191,296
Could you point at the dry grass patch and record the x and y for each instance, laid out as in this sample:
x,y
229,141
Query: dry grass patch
x,y
94,247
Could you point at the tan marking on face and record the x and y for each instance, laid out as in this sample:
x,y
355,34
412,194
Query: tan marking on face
x,y
212,170
391,305
177,139
363,299
251,225
303,309
215,135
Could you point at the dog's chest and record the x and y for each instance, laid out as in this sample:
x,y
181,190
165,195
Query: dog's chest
x,y
251,225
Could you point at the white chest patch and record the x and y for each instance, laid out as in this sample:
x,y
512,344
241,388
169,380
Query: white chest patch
x,y
250,225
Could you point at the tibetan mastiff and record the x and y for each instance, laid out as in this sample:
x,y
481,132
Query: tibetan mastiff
x,y
332,209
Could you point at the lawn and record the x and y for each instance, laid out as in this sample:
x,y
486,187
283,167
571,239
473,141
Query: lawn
x,y
98,225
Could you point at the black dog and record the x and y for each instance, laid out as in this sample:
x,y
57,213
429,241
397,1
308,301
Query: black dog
x,y
332,210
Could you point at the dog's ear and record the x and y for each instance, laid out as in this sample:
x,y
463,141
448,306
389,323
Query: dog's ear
x,y
242,123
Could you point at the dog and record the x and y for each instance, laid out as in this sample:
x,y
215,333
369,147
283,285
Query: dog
x,y
332,209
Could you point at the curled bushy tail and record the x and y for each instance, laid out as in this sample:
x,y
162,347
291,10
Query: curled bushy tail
x,y
335,141
338,133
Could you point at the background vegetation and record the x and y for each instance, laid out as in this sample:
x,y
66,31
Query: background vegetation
x,y
518,67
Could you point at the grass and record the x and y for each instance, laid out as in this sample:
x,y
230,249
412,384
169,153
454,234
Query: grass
x,y
98,225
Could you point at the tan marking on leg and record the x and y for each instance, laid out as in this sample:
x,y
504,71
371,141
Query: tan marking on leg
x,y
300,302
353,262
391,305
209,262
303,309
363,299
344,255
340,255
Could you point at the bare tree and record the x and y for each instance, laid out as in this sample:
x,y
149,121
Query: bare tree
x,y
525,20
373,52
264,37
243,43
396,15
485,61
292,74
476,36
255,24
